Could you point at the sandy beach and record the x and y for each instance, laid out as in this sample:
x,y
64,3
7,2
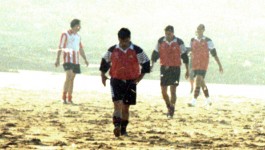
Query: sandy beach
x,y
33,117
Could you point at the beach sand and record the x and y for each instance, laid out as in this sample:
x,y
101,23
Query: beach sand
x,y
33,117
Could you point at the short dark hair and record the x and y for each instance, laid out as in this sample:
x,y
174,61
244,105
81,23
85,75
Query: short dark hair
x,y
169,28
74,22
124,33
201,25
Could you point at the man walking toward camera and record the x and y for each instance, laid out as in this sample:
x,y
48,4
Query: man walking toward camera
x,y
128,64
200,48
170,50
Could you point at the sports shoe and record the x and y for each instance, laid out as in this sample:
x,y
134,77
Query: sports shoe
x,y
70,102
64,101
124,133
170,112
208,102
117,131
192,103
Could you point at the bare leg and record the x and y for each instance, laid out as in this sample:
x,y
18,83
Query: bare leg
x,y
199,80
173,89
71,86
125,112
165,96
205,89
66,84
206,94
191,85
125,119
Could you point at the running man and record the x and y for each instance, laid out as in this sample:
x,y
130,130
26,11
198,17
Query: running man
x,y
170,50
128,64
200,48
71,46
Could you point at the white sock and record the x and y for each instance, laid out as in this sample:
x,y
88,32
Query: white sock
x,y
193,101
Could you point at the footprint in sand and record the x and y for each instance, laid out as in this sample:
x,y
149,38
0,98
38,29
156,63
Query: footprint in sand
x,y
247,127
8,144
36,141
10,125
104,146
224,122
59,143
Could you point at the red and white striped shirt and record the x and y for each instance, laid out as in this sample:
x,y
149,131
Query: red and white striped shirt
x,y
70,43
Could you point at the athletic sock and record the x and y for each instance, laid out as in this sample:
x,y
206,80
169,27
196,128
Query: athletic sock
x,y
196,92
206,92
124,124
69,98
64,96
116,121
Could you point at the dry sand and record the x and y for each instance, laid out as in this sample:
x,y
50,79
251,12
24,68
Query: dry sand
x,y
32,116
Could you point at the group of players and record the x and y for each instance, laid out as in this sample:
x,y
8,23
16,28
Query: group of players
x,y
127,64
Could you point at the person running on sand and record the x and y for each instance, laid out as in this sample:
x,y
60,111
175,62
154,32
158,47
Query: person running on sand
x,y
200,48
71,46
128,64
170,50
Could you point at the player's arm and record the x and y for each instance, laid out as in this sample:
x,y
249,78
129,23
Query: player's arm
x,y
61,46
82,53
216,58
214,54
105,66
144,61
57,62
184,57
155,55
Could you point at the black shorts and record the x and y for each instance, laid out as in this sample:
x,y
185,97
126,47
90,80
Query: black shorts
x,y
169,75
124,90
199,72
70,66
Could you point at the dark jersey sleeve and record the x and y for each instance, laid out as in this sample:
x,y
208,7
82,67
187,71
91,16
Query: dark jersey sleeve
x,y
213,52
105,61
184,51
185,58
142,59
155,56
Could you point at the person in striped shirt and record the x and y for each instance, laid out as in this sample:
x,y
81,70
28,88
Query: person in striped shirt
x,y
128,64
200,48
71,47
170,50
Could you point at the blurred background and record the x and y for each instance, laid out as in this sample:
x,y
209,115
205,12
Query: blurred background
x,y
31,29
